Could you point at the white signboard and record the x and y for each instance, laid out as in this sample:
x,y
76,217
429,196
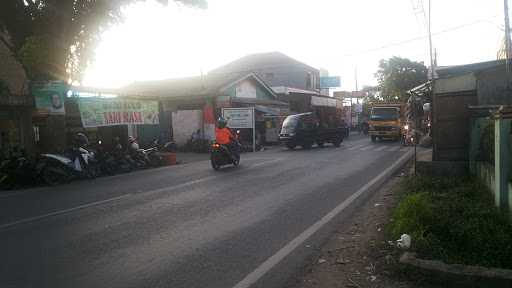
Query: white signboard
x,y
323,101
239,118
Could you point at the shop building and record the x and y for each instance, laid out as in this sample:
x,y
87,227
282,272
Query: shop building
x,y
193,104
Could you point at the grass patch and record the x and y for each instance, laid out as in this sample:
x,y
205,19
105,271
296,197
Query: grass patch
x,y
453,220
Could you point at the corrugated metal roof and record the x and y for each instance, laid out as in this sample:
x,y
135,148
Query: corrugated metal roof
x,y
199,86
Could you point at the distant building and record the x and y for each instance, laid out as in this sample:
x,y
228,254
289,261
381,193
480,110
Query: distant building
x,y
324,73
194,103
275,69
293,81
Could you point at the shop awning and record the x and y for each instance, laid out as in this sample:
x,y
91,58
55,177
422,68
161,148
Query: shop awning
x,y
267,110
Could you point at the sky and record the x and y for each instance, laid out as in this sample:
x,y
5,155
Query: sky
x,y
343,36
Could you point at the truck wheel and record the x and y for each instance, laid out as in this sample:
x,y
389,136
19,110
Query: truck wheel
x,y
307,145
373,138
291,146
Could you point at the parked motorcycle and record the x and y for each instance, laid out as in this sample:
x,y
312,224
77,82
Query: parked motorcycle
x,y
154,157
78,164
18,171
107,164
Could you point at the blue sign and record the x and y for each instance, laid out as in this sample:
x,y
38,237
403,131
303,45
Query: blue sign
x,y
330,82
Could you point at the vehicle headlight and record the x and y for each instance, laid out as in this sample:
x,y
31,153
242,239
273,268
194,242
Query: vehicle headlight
x,y
406,127
291,134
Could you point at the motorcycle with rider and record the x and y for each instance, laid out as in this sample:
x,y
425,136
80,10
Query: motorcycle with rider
x,y
226,148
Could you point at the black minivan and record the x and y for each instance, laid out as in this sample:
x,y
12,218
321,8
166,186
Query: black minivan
x,y
305,130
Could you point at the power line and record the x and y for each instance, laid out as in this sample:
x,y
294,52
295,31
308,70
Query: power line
x,y
420,37
399,43
386,46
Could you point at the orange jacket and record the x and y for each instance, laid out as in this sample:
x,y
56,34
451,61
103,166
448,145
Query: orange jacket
x,y
223,135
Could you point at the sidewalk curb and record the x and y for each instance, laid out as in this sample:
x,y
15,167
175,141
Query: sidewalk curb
x,y
488,277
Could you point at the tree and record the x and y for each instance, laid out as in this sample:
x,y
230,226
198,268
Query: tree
x,y
55,39
398,75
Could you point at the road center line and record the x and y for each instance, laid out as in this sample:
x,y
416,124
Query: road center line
x,y
35,218
275,259
357,146
367,148
96,203
381,148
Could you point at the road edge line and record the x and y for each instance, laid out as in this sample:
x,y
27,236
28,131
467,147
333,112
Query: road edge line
x,y
275,259
7,226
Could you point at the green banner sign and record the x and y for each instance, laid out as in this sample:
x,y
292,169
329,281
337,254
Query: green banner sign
x,y
98,112
50,96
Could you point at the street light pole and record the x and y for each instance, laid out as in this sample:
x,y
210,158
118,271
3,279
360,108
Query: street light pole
x,y
507,34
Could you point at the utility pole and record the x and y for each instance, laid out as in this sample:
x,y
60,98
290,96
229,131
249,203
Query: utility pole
x,y
507,34
430,39
432,86
355,74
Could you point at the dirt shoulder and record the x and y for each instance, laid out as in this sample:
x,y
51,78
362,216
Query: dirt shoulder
x,y
357,254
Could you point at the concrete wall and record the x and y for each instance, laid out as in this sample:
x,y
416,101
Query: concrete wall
x,y
184,123
494,87
451,125
455,84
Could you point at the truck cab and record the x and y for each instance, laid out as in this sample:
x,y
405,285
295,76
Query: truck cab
x,y
305,129
385,122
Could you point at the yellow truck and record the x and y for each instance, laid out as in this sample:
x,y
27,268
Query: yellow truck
x,y
386,121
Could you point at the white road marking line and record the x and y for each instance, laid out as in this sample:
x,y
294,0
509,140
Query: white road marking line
x,y
275,259
381,148
367,148
7,195
357,147
35,218
393,149
96,203
266,162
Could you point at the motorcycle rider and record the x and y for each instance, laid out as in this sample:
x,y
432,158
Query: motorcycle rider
x,y
225,136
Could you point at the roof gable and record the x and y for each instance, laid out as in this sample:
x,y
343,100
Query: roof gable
x,y
260,61
199,86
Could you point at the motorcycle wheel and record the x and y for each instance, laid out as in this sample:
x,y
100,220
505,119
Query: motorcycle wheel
x,y
92,171
215,166
236,162
5,182
54,176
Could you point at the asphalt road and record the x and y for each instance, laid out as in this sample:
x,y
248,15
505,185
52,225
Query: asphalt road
x,y
181,226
